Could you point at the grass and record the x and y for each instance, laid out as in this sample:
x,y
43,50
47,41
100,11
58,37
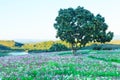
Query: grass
x,y
108,56
65,53
60,66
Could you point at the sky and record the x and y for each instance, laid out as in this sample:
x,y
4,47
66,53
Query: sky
x,y
34,19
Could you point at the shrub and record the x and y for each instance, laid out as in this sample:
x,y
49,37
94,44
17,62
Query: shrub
x,y
97,47
58,47
105,47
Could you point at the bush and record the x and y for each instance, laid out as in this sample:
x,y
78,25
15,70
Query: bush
x,y
97,47
37,51
58,47
106,47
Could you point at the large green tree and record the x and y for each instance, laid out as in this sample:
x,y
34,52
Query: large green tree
x,y
79,25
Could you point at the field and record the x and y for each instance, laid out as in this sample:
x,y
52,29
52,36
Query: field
x,y
87,65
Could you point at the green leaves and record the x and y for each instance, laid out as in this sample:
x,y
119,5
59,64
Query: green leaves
x,y
79,25
58,47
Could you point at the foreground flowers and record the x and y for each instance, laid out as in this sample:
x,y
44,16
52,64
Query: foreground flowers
x,y
52,67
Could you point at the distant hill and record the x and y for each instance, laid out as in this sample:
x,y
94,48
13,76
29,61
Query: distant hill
x,y
114,42
29,40
10,43
2,47
45,45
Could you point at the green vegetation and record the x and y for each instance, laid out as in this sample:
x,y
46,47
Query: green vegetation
x,y
76,28
65,53
31,47
4,50
80,26
43,45
2,47
108,56
61,67
102,47
48,46
58,47
10,43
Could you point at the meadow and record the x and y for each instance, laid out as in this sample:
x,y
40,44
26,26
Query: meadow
x,y
87,65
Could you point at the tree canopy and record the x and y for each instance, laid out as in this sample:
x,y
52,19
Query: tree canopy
x,y
79,25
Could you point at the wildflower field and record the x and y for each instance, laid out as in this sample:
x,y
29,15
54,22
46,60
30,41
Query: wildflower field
x,y
92,65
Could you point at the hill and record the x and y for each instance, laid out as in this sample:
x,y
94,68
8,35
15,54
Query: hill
x,y
2,47
46,45
115,42
10,43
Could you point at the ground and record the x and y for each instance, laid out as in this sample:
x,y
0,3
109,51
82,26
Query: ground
x,y
87,65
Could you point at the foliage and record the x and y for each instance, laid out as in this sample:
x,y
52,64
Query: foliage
x,y
58,47
4,50
99,30
46,45
17,44
102,47
81,26
31,47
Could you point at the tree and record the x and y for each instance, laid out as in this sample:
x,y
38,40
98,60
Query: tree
x,y
100,29
81,26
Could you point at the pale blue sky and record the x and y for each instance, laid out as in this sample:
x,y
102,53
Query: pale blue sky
x,y
34,19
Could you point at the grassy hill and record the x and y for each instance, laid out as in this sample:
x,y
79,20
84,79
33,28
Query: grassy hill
x,y
46,45
10,43
115,42
2,47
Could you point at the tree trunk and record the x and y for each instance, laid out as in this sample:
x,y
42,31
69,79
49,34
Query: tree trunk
x,y
73,49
